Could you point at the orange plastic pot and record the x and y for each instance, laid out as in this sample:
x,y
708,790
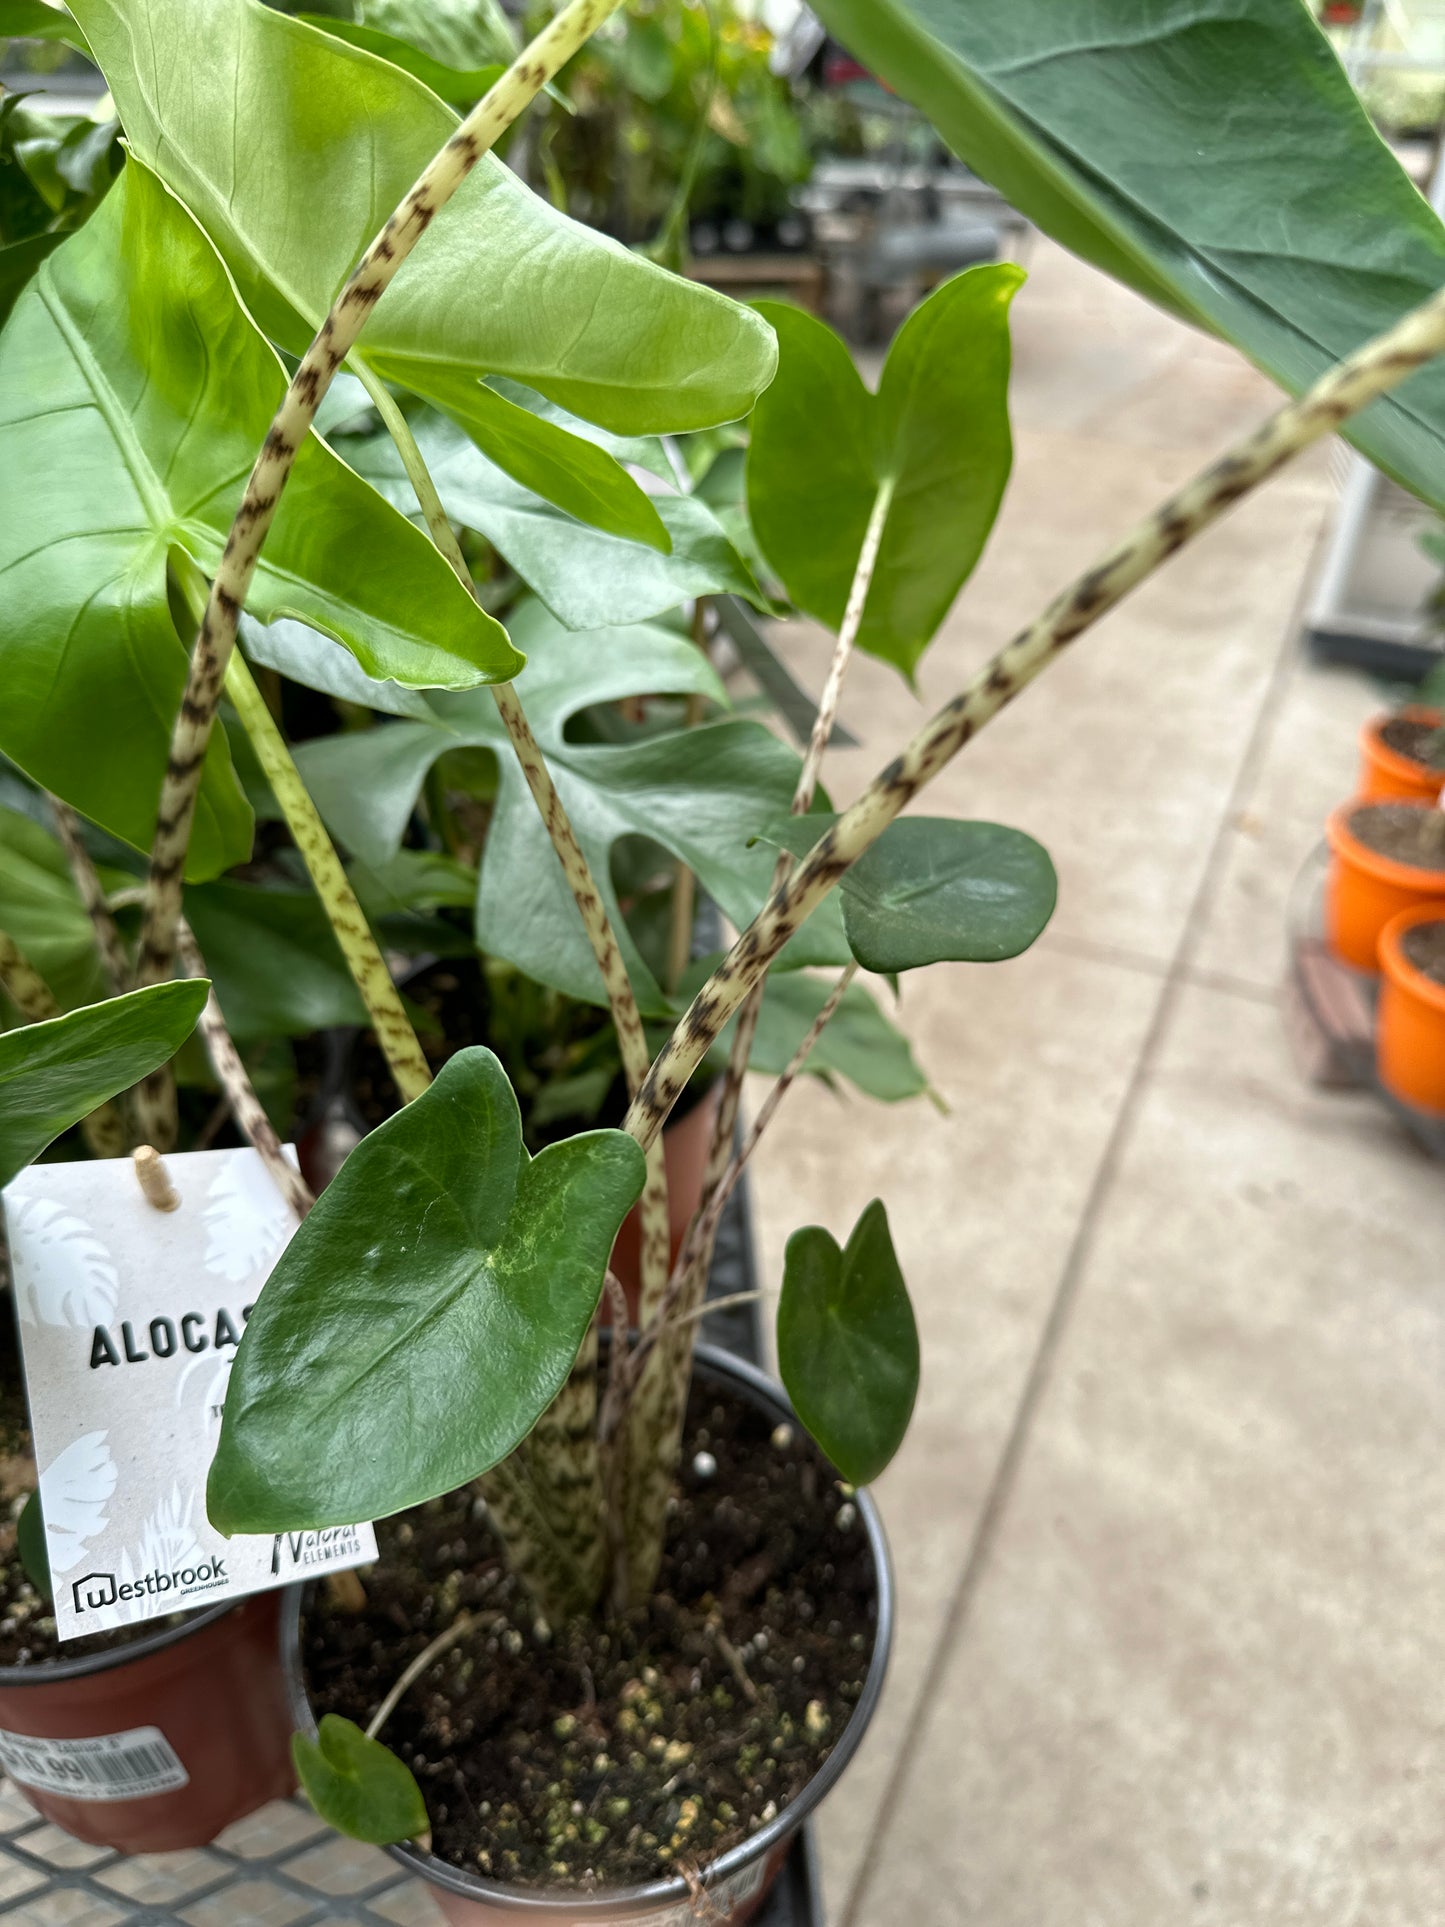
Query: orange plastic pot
x,y
196,1716
1386,775
1410,1019
1364,890
685,1141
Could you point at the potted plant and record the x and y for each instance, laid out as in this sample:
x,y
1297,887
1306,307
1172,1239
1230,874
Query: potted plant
x,y
426,1351
1410,1016
1402,755
1386,857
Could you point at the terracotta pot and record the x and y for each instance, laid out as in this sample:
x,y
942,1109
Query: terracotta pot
x,y
1410,1019
737,1882
685,1139
197,1714
1386,775
1365,890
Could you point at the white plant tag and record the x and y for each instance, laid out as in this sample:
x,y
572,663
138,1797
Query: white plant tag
x,y
129,1320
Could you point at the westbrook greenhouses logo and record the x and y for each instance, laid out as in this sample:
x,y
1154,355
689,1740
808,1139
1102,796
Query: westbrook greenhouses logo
x,y
97,1590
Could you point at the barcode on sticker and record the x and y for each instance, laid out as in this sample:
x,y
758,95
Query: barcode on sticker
x,y
112,1766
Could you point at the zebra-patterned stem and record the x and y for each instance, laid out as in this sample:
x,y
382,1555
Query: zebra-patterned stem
x,y
558,1569
1377,367
659,1379
104,1130
246,1108
92,894
404,1056
516,88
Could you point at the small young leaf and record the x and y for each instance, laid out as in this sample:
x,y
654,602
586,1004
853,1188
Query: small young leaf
x,y
358,1785
54,1074
847,1343
935,890
424,1316
30,1544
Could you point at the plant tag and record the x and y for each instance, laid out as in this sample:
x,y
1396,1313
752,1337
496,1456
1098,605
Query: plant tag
x,y
112,1766
129,1319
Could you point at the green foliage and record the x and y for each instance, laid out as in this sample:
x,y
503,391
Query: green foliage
x,y
587,578
54,168
1194,150
54,1074
848,1344
134,394
277,967
30,1544
697,793
41,910
471,1271
501,284
459,87
935,890
358,1785
936,435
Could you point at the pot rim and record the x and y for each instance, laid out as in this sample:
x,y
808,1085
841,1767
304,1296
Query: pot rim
x,y
673,1890
49,1672
1385,869
1386,756
1398,967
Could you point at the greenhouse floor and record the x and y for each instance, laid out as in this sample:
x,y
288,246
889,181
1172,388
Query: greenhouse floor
x,y
1168,1528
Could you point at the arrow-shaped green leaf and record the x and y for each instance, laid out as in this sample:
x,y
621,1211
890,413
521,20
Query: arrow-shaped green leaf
x,y
54,1074
848,1344
936,434
134,394
358,1785
425,1315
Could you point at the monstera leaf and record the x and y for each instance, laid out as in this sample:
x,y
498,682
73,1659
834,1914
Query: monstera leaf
x,y
291,149
54,1074
587,578
472,1272
134,394
935,438
699,793
1194,149
848,1344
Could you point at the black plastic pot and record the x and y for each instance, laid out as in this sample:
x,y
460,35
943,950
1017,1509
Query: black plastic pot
x,y
737,1882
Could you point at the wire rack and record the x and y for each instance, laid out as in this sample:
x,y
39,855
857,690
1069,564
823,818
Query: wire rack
x,y
282,1867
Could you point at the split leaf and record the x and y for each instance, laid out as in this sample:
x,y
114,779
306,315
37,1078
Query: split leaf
x,y
936,434
54,1074
848,1344
1189,148
698,793
134,394
587,578
329,126
358,1785
935,890
472,1272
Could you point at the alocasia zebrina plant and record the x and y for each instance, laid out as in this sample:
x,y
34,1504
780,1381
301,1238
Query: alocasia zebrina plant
x,y
432,1320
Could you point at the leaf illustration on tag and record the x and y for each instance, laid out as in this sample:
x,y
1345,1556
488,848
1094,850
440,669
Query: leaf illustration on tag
x,y
247,1220
168,1544
63,1273
77,1486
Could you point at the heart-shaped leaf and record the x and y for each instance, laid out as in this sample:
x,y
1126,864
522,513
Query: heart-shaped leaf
x,y
1193,149
936,434
696,792
426,1313
848,1344
936,890
54,1074
358,1785
134,394
500,283
587,578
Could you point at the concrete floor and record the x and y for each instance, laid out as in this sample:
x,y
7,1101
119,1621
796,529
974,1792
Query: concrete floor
x,y
1168,1527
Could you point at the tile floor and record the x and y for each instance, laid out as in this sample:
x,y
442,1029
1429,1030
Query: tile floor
x,y
1170,1524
